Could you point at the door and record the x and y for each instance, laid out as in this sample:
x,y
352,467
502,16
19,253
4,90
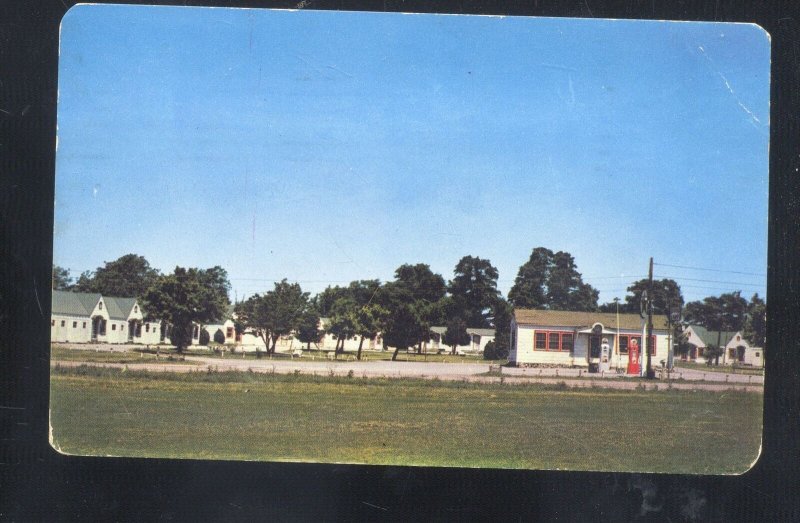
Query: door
x,y
594,346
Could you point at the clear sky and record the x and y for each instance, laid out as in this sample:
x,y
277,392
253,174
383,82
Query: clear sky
x,y
325,147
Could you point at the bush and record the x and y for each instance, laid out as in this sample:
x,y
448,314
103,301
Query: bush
x,y
204,337
219,337
494,352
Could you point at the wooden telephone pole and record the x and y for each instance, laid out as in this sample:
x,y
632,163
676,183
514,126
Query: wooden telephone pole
x,y
649,344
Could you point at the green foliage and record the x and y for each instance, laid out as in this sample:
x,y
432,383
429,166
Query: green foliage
x,y
204,337
551,280
128,276
755,326
62,281
403,326
219,337
455,334
666,297
187,297
502,330
308,330
421,283
274,314
473,290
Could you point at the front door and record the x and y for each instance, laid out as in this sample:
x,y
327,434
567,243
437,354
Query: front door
x,y
594,346
96,321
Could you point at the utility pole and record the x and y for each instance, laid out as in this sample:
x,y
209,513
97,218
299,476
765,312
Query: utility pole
x,y
649,344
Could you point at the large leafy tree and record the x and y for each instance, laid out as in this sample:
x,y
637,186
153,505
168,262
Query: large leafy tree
x,y
403,325
308,330
566,289
128,276
474,291
455,334
502,331
755,326
530,286
342,321
551,280
62,281
184,298
273,314
666,296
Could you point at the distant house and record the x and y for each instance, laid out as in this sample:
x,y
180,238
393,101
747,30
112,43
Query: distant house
x,y
574,339
478,338
735,347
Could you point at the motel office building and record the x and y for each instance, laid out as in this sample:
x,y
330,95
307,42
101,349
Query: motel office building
x,y
574,339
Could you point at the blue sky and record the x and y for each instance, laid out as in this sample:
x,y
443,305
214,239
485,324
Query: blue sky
x,y
325,147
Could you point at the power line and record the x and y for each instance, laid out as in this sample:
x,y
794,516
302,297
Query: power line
x,y
716,281
706,269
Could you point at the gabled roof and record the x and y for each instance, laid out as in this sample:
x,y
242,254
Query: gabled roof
x,y
710,337
119,308
74,303
548,318
470,330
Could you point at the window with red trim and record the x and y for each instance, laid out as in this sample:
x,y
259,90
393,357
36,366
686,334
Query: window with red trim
x,y
625,342
553,341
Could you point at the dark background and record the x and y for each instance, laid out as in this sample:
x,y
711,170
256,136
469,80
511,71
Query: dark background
x,y
36,483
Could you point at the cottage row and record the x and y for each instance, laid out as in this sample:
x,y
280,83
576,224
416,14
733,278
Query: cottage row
x,y
538,337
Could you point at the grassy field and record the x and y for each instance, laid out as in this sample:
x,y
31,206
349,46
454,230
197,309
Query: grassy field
x,y
90,356
365,355
754,371
404,422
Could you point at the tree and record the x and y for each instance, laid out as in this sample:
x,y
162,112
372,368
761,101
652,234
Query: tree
x,y
61,279
273,314
455,334
128,276
726,312
182,299
421,283
755,326
324,301
530,286
308,330
219,337
474,290
502,331
566,290
342,322
666,296
368,322
403,326
204,337
551,281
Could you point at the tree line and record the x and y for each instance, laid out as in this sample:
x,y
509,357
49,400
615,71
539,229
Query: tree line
x,y
402,310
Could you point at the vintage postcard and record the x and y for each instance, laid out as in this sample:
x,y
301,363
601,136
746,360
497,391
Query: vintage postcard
x,y
406,239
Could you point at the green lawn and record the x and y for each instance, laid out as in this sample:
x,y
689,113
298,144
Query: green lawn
x,y
755,371
135,356
405,422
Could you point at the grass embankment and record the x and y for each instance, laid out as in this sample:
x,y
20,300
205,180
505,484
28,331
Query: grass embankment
x,y
729,369
304,418
103,356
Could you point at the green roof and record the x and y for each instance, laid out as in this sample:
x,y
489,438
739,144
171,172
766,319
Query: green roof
x,y
74,303
710,337
119,308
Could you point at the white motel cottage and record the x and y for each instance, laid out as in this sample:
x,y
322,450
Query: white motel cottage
x,y
79,317
574,339
735,348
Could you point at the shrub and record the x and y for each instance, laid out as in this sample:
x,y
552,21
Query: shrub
x,y
219,337
204,337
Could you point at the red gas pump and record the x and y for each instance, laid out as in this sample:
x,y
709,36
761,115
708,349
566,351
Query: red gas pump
x,y
634,365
